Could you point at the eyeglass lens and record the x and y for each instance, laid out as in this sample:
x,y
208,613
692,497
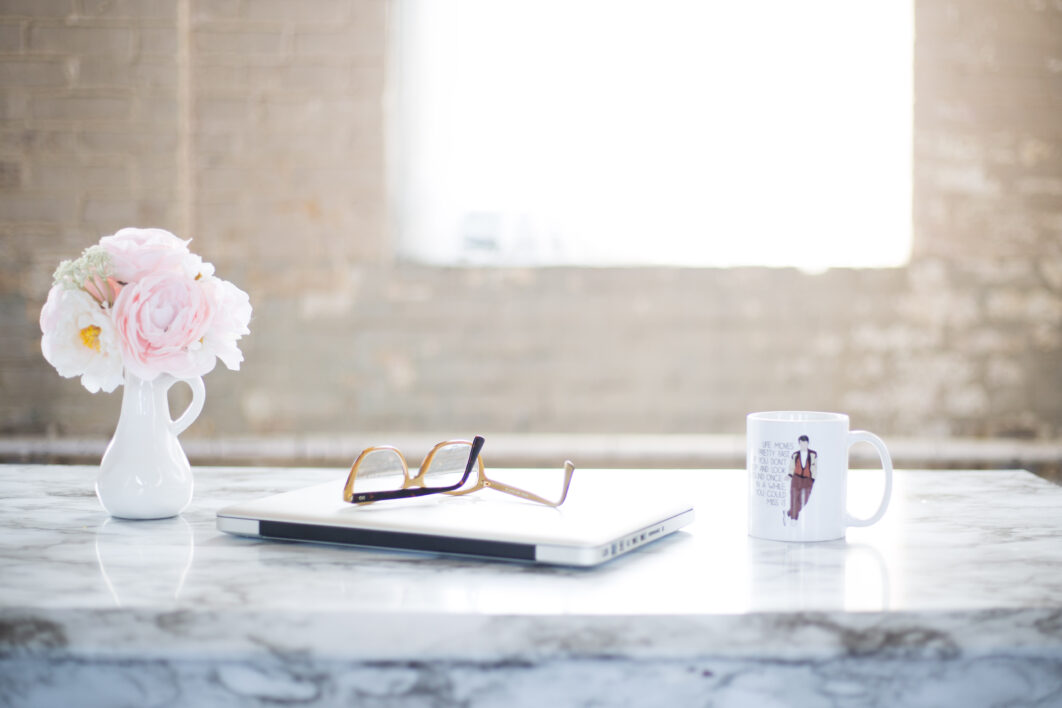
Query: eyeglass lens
x,y
447,465
379,471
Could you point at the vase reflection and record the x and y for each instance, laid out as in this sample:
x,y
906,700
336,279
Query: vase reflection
x,y
144,562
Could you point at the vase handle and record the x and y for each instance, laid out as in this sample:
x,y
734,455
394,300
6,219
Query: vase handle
x,y
194,408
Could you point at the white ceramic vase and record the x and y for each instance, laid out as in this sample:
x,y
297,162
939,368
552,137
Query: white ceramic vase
x,y
145,473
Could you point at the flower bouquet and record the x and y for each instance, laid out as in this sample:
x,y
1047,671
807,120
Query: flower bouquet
x,y
140,301
140,309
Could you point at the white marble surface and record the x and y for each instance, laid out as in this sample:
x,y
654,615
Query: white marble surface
x,y
956,594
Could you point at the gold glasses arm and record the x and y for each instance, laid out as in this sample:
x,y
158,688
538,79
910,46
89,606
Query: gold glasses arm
x,y
348,488
569,470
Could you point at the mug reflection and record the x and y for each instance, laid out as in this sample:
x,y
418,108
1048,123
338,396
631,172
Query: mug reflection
x,y
825,576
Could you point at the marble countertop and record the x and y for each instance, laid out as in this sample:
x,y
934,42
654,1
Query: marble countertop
x,y
962,562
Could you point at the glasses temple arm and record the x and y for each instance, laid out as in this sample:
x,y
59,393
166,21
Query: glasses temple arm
x,y
569,470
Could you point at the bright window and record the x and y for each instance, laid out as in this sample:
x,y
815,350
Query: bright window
x,y
642,132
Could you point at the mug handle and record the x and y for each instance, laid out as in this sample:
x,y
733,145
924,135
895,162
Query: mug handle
x,y
194,408
854,437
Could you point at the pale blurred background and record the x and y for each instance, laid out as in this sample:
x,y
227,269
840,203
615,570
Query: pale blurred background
x,y
597,230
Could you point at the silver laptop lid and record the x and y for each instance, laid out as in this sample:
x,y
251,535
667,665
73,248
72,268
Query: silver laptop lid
x,y
608,512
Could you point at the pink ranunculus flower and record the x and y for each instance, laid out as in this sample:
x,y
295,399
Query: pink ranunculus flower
x,y
161,322
79,339
136,253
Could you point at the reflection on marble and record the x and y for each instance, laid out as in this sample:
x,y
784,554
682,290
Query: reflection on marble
x,y
954,598
144,562
809,576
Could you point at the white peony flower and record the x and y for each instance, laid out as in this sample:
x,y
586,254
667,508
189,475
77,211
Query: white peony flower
x,y
232,315
79,339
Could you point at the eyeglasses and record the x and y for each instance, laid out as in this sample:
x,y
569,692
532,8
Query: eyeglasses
x,y
452,467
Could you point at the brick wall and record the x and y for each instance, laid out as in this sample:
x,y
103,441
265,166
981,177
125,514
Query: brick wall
x,y
257,128
88,139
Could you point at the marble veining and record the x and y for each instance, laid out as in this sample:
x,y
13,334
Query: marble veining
x,y
955,598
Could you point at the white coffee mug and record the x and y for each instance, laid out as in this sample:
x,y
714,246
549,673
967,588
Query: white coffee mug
x,y
797,464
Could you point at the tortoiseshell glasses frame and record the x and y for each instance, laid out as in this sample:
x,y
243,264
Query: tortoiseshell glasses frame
x,y
417,485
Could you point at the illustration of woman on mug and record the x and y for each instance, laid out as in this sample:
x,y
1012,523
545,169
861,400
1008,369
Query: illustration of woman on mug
x,y
805,465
